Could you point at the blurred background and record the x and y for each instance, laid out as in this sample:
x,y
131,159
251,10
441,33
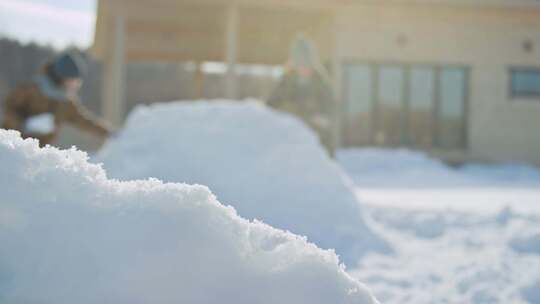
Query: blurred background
x,y
430,111
33,32
459,80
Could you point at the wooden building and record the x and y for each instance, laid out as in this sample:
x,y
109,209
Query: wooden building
x,y
457,78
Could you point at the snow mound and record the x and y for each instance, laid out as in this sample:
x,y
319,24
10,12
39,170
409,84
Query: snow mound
x,y
71,235
380,160
266,164
376,167
509,173
384,168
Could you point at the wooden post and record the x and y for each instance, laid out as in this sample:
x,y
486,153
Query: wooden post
x,y
197,87
337,73
231,49
113,100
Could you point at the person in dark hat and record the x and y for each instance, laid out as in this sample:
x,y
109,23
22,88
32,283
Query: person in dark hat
x,y
38,108
305,91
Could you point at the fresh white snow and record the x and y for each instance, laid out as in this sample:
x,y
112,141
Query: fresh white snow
x,y
412,228
400,168
268,165
69,234
466,235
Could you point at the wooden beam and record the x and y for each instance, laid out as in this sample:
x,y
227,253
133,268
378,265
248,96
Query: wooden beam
x,y
337,84
114,79
197,86
231,50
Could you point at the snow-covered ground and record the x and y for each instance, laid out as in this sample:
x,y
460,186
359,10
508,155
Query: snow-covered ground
x,y
411,228
466,235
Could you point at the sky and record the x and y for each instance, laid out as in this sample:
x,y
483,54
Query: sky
x,y
59,23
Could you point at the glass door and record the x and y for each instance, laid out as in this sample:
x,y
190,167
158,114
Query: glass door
x,y
388,128
417,106
421,100
358,118
451,109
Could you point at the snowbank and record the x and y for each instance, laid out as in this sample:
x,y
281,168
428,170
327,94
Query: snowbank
x,y
377,167
510,173
70,235
266,164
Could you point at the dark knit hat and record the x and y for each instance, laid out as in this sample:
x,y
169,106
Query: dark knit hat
x,y
67,65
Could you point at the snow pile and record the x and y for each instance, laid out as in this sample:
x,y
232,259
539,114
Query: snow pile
x,y
70,235
376,167
266,164
513,174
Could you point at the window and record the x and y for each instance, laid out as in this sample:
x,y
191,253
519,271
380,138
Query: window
x,y
525,82
359,86
451,114
359,106
419,106
388,129
420,120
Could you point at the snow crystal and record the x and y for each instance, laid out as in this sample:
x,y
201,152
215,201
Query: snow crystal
x,y
71,235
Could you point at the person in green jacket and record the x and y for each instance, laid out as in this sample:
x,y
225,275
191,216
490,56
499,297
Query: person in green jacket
x,y
305,91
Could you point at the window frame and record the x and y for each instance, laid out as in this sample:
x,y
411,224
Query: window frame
x,y
437,67
512,92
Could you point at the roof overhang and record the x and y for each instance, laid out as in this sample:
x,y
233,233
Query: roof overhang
x,y
162,30
194,30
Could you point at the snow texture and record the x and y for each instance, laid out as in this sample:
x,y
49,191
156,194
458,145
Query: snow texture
x,y
466,235
532,293
266,164
529,243
69,234
454,257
